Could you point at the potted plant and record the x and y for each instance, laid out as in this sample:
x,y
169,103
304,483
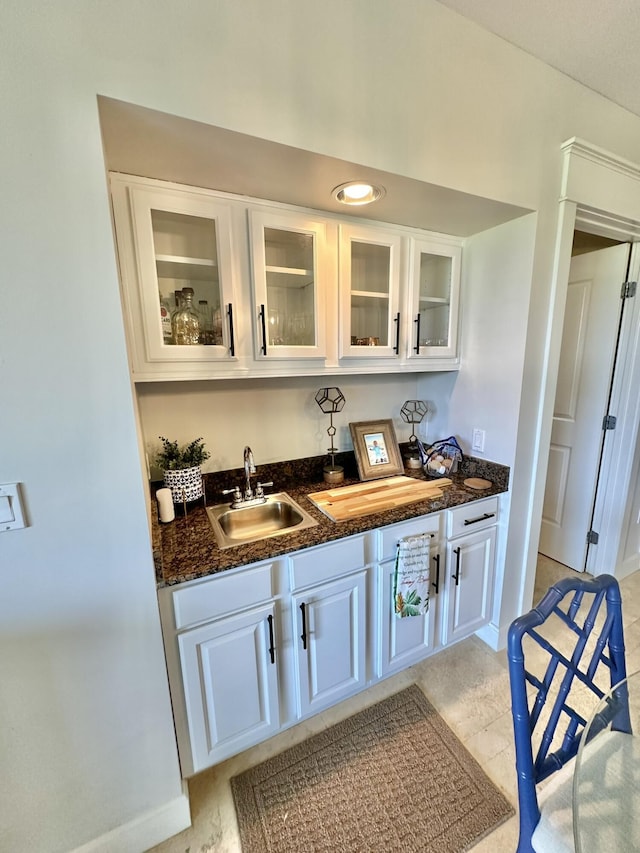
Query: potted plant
x,y
181,467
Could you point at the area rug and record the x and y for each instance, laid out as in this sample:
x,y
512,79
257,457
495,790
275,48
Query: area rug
x,y
393,777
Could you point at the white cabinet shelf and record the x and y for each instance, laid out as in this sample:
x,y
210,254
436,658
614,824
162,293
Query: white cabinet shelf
x,y
434,301
192,269
286,277
366,294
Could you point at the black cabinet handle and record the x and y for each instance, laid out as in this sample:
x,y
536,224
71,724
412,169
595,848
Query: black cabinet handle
x,y
272,649
303,636
232,338
456,577
436,585
264,330
417,322
479,518
396,348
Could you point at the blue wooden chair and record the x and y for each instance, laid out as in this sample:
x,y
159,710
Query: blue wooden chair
x,y
584,661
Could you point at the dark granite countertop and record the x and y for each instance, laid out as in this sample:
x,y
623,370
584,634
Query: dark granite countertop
x,y
186,548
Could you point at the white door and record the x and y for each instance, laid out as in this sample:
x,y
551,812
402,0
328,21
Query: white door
x,y
470,564
584,377
329,621
290,282
231,685
406,641
369,281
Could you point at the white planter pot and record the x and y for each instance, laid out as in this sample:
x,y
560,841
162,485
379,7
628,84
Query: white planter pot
x,y
185,484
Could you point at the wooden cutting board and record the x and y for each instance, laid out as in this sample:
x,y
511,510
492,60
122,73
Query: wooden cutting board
x,y
366,498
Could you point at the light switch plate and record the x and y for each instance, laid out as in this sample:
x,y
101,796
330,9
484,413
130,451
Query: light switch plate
x,y
11,509
477,440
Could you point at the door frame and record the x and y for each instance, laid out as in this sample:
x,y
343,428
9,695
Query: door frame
x,y
600,194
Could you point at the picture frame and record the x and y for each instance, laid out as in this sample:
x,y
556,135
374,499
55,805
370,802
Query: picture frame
x,y
376,449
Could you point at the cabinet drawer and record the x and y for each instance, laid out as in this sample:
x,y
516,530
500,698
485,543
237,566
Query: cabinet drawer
x,y
390,536
328,561
472,516
223,594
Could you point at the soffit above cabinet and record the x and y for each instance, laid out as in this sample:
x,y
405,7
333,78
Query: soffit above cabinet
x,y
152,144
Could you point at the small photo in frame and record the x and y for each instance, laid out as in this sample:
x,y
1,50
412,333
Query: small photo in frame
x,y
376,449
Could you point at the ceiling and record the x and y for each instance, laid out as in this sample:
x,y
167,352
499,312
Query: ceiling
x,y
152,144
594,42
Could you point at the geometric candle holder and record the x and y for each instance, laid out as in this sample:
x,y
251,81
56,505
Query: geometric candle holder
x,y
412,412
331,400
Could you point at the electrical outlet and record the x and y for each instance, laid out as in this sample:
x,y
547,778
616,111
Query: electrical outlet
x,y
477,440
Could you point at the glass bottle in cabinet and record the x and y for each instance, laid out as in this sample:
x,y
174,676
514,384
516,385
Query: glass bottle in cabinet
x,y
186,324
435,291
183,248
288,261
369,292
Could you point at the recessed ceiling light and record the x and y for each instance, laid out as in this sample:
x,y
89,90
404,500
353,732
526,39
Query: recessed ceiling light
x,y
357,192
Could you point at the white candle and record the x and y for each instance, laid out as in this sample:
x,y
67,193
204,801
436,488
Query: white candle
x,y
166,512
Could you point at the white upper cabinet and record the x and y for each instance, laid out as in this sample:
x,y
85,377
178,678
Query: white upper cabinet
x,y
369,285
434,282
289,271
267,289
175,254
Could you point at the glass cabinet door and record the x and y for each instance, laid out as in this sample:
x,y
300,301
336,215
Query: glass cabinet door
x,y
288,256
183,249
369,292
435,287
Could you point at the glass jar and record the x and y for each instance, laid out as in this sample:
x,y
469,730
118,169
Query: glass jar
x,y
185,322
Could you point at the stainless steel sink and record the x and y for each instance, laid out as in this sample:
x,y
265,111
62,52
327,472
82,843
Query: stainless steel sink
x,y
280,514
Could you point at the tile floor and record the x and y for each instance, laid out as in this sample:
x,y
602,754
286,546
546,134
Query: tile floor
x,y
467,676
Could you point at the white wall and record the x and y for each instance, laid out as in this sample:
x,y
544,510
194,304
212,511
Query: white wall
x,y
278,418
493,331
87,744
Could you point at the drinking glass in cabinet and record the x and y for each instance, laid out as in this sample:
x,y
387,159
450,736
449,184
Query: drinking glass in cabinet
x,y
434,300
186,260
370,293
290,287
290,280
435,295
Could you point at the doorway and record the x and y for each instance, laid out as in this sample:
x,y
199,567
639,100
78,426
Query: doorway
x,y
581,418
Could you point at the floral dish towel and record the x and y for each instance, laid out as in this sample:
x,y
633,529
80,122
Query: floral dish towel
x,y
411,579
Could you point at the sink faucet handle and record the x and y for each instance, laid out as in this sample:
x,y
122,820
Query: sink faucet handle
x,y
260,488
235,491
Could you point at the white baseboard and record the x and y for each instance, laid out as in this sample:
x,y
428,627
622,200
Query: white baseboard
x,y
494,637
628,567
145,831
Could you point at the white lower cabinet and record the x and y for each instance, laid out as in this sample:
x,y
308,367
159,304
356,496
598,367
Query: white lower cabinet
x,y
230,684
254,650
330,642
470,568
405,641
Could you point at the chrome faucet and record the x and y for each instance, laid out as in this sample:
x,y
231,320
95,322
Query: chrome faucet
x,y
249,469
248,498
